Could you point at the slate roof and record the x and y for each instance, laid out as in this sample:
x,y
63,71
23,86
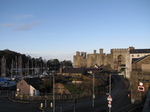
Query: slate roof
x,y
135,60
133,51
93,69
35,82
73,70
80,70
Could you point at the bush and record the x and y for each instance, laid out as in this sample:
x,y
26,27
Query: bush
x,y
74,89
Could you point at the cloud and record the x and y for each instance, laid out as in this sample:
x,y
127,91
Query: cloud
x,y
21,26
24,16
28,16
8,24
26,26
23,23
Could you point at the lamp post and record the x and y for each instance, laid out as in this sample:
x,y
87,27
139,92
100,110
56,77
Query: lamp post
x,y
110,89
53,91
109,98
93,95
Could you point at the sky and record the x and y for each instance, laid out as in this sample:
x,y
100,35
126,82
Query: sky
x,y
58,28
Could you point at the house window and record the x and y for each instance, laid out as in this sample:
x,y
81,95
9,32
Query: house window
x,y
138,55
132,55
21,84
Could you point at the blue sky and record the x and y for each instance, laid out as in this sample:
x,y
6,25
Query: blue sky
x,y
58,28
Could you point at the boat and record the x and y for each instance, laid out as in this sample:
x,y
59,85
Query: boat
x,y
4,82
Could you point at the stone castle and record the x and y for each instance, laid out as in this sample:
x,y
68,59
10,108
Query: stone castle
x,y
115,59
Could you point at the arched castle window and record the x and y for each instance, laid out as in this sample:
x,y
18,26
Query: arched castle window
x,y
120,59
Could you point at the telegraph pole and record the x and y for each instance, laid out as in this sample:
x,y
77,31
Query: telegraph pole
x,y
93,95
93,88
54,92
110,99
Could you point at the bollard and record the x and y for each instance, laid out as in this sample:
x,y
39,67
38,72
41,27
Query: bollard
x,y
41,105
45,103
60,109
51,104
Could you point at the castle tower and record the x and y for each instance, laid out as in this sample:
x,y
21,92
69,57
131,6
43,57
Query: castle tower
x,y
94,51
101,51
118,58
80,59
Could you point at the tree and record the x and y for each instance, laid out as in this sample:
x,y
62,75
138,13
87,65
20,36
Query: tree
x,y
66,63
46,86
53,64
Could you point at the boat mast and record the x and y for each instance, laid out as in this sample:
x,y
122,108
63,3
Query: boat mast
x,y
3,67
16,66
12,64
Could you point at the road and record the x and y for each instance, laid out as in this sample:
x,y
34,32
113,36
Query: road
x,y
8,106
119,96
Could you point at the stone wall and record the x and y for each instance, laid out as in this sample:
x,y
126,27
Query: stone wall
x,y
140,74
116,58
136,78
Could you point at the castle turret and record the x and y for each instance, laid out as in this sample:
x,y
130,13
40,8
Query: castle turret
x,y
78,53
131,48
101,51
94,51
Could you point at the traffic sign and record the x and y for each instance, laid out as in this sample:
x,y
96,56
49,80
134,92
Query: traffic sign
x,y
109,102
109,98
141,88
109,105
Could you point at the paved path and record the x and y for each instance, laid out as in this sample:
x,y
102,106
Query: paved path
x,y
146,107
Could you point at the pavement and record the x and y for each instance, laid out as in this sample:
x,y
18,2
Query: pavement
x,y
146,107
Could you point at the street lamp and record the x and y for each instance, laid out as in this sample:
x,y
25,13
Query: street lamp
x,y
93,96
140,83
110,90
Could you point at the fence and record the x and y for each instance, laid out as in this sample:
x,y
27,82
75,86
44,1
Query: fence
x,y
13,95
60,96
50,97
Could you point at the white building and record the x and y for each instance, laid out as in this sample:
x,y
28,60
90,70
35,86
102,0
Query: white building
x,y
134,54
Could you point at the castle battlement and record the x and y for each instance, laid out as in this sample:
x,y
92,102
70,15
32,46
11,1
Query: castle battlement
x,y
78,53
115,58
119,50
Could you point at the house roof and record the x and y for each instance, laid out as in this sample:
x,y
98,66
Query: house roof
x,y
80,70
35,82
94,69
133,51
135,60
73,70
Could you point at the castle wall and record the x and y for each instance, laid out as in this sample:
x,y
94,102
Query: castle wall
x,y
118,57
115,58
80,59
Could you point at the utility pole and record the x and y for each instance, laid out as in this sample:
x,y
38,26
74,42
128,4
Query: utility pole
x,y
75,104
93,95
53,91
110,90
93,88
110,84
